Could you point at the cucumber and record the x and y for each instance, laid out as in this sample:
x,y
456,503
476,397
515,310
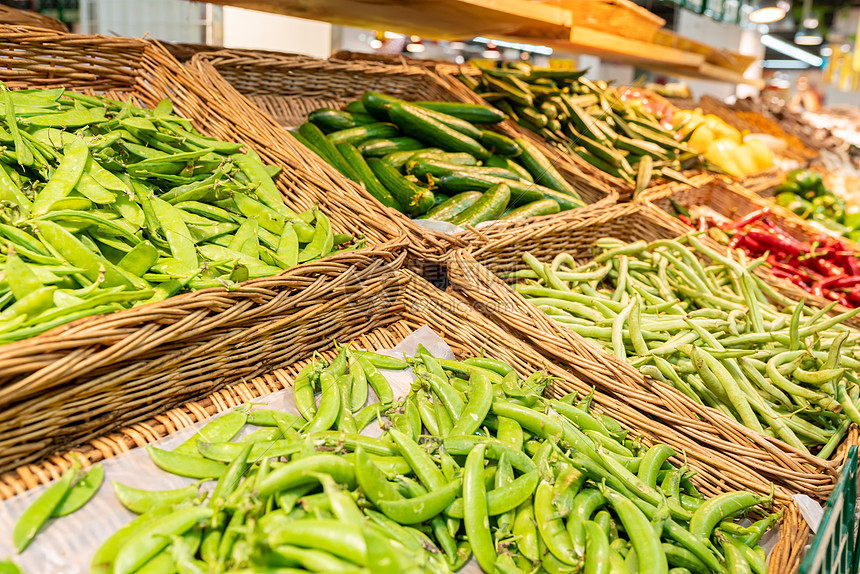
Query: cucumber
x,y
469,112
417,123
356,107
398,159
366,175
510,165
383,146
439,199
521,192
439,155
490,206
456,205
564,201
363,133
499,144
320,145
542,169
377,104
430,168
542,207
532,116
329,120
414,199
456,124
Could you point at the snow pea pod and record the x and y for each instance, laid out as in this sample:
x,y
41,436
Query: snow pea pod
x,y
142,501
82,492
37,514
65,178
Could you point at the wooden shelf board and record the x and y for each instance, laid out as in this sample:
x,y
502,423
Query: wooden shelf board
x,y
440,19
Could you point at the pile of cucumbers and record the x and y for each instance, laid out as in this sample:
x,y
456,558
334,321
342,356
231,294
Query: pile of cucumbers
x,y
590,119
432,160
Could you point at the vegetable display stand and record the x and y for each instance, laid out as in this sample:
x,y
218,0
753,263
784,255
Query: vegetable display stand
x,y
290,87
73,383
473,274
834,548
404,303
764,183
733,201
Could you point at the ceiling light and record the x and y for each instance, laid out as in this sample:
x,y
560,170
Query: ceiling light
x,y
784,64
543,50
826,51
808,37
375,44
767,11
791,50
492,54
414,48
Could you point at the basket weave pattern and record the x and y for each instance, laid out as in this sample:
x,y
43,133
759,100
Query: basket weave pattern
x,y
85,378
473,275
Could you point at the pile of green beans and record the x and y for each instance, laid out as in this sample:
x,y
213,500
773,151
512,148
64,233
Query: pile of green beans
x,y
717,333
589,118
473,461
105,205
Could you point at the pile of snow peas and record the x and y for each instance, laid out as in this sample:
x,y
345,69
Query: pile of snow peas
x,y
716,332
473,461
105,205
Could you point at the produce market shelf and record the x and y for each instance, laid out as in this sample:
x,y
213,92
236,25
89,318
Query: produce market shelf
x,y
441,19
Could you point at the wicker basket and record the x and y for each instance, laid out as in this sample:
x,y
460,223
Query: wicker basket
x,y
408,302
472,274
394,59
13,17
82,379
289,87
621,17
733,201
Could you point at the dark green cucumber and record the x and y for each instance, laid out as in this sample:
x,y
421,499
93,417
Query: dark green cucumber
x,y
427,168
510,165
499,144
417,123
521,192
329,120
490,206
455,124
542,169
384,146
398,159
514,92
320,145
356,107
439,199
414,199
542,207
377,104
460,158
360,134
366,175
456,205
469,112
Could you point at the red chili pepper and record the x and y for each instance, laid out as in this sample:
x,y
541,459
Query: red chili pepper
x,y
736,240
826,267
774,242
844,281
749,218
685,220
852,264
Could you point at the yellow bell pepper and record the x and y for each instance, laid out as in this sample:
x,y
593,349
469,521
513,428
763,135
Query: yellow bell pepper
x,y
721,129
724,152
761,154
701,139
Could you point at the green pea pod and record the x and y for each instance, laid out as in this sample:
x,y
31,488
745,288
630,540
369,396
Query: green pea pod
x,y
421,508
220,429
301,471
40,510
380,554
330,405
716,509
65,178
142,501
475,411
376,380
229,481
476,517
104,558
184,464
82,492
322,241
9,567
153,539
650,555
178,237
22,281
22,153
